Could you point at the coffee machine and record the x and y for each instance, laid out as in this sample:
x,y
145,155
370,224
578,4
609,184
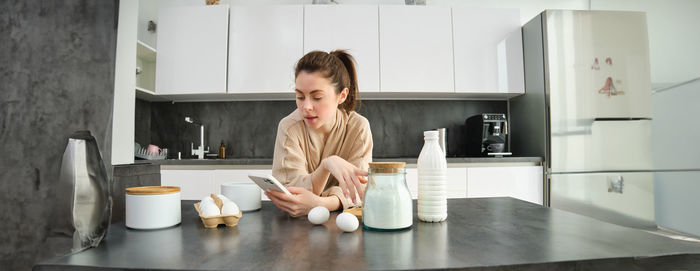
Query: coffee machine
x,y
487,135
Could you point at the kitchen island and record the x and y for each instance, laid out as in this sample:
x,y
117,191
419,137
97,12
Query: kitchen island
x,y
483,234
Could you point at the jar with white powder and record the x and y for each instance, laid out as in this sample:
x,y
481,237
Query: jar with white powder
x,y
387,202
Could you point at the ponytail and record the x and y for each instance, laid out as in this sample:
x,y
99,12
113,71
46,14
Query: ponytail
x,y
339,67
353,94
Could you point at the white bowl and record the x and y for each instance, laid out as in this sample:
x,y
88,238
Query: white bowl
x,y
245,194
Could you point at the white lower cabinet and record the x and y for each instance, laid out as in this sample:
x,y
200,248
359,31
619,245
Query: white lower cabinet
x,y
456,182
196,184
520,182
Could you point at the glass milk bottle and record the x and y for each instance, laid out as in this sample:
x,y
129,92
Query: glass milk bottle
x,y
432,180
387,204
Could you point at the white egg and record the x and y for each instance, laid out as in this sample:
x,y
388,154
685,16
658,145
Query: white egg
x,y
209,209
206,199
319,215
229,208
347,222
223,198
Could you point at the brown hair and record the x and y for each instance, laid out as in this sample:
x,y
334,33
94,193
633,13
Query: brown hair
x,y
339,67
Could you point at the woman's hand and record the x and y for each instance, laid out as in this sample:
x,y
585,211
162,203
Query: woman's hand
x,y
301,201
350,178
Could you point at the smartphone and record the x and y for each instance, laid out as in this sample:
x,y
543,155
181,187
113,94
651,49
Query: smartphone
x,y
267,182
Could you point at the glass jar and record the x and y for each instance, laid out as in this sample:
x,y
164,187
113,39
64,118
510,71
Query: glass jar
x,y
387,202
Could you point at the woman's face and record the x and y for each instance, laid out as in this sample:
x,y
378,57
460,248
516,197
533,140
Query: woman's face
x,y
317,100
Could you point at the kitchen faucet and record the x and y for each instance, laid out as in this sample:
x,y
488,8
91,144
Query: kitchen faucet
x,y
199,151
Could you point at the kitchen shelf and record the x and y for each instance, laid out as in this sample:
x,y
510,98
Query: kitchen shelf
x,y
145,81
145,52
149,95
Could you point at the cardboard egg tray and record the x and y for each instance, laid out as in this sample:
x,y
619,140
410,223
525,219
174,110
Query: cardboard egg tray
x,y
215,220
356,211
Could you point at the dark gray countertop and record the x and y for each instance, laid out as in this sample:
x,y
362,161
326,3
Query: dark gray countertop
x,y
484,234
268,161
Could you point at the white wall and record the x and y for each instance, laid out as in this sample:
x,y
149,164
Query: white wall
x,y
674,37
528,9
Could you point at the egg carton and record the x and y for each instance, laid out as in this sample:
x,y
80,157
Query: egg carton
x,y
215,220
356,211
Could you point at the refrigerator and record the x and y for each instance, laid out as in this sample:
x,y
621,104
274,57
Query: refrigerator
x,y
587,112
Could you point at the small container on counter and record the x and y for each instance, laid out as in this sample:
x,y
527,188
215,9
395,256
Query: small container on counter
x,y
247,195
387,202
222,151
152,207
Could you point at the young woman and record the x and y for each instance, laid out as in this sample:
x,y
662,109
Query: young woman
x,y
323,148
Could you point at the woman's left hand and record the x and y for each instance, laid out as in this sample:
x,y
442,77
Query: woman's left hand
x,y
298,204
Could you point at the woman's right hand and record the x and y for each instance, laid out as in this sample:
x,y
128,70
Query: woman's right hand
x,y
350,178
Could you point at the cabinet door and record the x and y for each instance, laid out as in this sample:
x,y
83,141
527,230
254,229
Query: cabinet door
x,y
265,42
511,69
192,48
523,182
415,49
456,182
477,35
194,184
351,27
222,176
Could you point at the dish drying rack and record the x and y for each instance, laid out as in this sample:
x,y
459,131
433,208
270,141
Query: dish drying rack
x,y
141,152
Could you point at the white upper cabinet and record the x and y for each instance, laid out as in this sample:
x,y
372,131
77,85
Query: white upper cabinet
x,y
351,27
511,68
265,43
192,48
415,49
487,50
402,51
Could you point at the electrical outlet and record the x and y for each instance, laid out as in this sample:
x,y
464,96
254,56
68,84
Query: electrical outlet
x,y
615,184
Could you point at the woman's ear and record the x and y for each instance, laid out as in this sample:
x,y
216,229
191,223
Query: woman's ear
x,y
343,95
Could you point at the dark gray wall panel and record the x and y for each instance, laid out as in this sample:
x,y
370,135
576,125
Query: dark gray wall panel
x,y
142,121
56,77
249,128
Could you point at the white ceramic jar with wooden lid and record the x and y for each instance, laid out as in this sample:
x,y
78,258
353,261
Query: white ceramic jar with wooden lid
x,y
152,207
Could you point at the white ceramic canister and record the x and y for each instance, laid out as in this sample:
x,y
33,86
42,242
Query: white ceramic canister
x,y
153,207
246,195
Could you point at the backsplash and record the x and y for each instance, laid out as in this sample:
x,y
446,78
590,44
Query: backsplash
x,y
248,128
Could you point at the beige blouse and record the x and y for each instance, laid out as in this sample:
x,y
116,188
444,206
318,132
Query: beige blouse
x,y
299,152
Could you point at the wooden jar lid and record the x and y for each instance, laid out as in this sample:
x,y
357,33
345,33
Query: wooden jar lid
x,y
387,164
152,190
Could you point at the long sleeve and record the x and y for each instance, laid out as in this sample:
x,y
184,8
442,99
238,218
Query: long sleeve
x,y
359,154
289,165
361,151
